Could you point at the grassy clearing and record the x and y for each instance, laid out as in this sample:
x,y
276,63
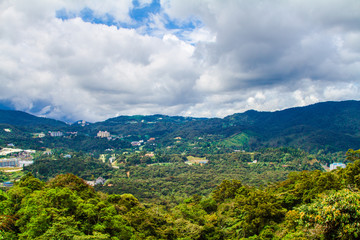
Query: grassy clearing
x,y
238,140
191,158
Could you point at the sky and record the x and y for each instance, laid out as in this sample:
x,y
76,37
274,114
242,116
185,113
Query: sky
x,y
92,60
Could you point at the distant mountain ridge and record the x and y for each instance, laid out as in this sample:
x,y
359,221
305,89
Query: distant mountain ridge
x,y
330,125
319,115
326,124
19,118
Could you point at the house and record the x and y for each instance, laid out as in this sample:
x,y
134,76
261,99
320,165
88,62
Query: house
x,y
90,183
100,180
135,143
47,152
39,135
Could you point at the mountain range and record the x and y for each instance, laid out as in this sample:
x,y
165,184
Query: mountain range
x,y
334,126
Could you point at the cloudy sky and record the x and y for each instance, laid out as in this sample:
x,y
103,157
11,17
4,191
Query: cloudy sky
x,y
78,59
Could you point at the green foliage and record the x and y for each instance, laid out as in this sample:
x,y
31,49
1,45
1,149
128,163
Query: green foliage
x,y
352,155
304,186
173,181
306,205
29,181
80,164
259,209
227,189
3,176
351,174
338,213
238,141
64,208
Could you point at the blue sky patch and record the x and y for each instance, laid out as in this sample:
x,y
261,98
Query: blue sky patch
x,y
64,15
141,16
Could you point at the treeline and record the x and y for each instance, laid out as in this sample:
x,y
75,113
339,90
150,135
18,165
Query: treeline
x,y
173,181
166,178
81,164
307,205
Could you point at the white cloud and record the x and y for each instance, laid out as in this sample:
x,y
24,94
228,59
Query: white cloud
x,y
266,55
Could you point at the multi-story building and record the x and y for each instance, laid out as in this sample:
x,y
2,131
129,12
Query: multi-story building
x,y
334,166
56,134
103,134
9,162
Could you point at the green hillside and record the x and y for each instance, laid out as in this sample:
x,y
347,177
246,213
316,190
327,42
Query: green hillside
x,y
333,126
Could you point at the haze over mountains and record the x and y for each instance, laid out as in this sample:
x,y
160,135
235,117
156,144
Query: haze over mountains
x,y
329,125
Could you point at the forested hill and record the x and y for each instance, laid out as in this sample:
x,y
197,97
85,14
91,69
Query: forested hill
x,y
331,125
337,116
18,118
334,126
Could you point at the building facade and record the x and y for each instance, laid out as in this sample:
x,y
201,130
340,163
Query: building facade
x,y
334,166
9,162
103,134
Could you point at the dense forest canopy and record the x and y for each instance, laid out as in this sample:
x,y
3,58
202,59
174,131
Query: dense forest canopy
x,y
307,205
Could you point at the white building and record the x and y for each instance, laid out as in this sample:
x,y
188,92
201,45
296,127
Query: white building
x,y
56,134
334,166
24,163
103,134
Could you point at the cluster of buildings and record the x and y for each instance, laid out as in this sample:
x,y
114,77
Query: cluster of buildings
x,y
106,134
54,134
82,123
141,142
18,157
